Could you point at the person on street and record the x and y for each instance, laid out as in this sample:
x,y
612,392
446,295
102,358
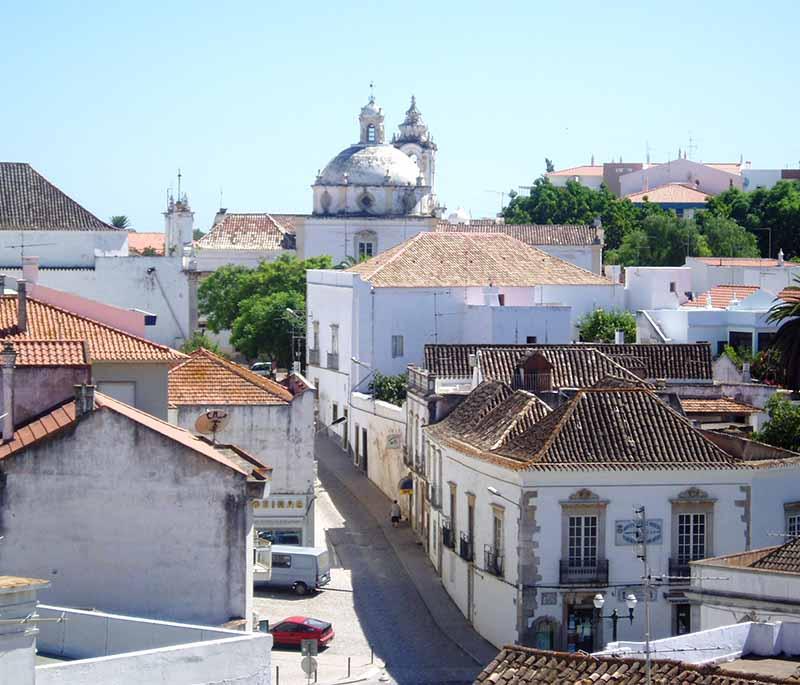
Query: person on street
x,y
395,514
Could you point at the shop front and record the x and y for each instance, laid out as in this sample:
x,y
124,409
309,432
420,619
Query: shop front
x,y
285,519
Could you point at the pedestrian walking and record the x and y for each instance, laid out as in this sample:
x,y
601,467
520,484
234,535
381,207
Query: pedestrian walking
x,y
395,514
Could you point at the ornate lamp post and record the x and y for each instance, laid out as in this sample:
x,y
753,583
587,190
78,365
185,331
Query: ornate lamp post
x,y
599,601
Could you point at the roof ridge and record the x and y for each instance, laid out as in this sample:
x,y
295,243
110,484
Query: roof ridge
x,y
402,247
98,323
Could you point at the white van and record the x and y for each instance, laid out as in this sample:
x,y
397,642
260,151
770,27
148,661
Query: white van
x,y
299,568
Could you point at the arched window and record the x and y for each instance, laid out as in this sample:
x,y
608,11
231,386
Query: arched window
x,y
371,133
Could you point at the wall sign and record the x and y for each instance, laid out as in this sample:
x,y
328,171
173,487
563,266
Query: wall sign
x,y
549,598
626,532
394,441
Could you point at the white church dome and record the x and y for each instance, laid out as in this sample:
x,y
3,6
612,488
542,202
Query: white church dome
x,y
370,165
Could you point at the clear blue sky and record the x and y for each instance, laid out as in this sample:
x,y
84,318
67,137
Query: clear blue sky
x,y
108,99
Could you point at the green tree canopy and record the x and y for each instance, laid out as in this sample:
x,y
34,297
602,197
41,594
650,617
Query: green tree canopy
x,y
664,239
390,389
726,238
252,303
783,427
601,325
198,340
786,312
776,209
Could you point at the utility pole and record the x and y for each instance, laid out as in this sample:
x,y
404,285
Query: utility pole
x,y
641,533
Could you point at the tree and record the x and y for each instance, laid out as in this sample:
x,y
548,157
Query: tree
x,y
664,239
390,389
197,234
549,166
198,340
601,325
783,427
726,238
119,221
252,303
786,313
149,251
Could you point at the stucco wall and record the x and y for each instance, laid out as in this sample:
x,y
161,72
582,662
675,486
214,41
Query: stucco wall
x,y
37,388
211,260
62,248
589,257
151,379
122,519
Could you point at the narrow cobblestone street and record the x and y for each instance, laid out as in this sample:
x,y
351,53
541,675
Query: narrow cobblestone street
x,y
372,601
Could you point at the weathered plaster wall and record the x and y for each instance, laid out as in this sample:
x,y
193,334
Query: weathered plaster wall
x,y
151,379
122,519
62,248
38,388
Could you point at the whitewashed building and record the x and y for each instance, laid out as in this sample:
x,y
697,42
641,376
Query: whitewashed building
x,y
532,516
438,287
272,421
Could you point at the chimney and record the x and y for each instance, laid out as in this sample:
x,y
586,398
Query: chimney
x,y
220,215
8,358
22,305
746,372
84,400
780,257
2,284
619,337
30,269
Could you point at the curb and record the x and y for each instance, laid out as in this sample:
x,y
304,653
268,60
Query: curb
x,y
383,527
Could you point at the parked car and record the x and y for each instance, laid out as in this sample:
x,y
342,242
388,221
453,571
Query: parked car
x,y
292,630
262,369
299,568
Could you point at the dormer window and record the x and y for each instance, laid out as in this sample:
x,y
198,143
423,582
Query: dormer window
x,y
371,133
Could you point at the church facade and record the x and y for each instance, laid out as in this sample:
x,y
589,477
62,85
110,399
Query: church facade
x,y
374,194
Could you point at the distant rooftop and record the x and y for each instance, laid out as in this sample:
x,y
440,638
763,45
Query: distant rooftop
x,y
138,242
530,234
678,193
238,231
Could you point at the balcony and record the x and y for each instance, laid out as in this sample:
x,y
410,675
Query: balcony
x,y
313,357
493,561
333,361
465,550
448,536
679,570
583,572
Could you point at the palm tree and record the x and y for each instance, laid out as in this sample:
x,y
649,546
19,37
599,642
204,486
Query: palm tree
x,y
786,313
120,221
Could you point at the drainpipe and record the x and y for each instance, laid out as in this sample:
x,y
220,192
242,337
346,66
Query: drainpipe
x,y
8,357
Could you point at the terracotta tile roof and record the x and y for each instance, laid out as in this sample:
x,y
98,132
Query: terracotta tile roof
x,y
615,429
138,242
670,192
289,222
50,353
785,558
244,232
516,665
491,415
678,362
48,322
62,417
470,259
585,170
530,234
729,167
737,261
16,582
28,201
722,296
206,378
722,405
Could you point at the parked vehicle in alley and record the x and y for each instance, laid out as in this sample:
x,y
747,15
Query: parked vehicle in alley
x,y
291,631
299,568
262,369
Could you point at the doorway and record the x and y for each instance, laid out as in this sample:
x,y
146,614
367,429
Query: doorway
x,y
580,629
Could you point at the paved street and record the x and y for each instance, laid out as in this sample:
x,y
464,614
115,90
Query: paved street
x,y
371,600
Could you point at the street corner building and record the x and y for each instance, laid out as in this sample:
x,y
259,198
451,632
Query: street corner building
x,y
119,510
272,421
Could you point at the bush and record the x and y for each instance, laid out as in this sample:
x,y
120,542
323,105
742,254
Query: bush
x,y
199,340
601,325
783,427
390,389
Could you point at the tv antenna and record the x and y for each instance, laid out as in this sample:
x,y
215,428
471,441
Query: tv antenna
x,y
691,148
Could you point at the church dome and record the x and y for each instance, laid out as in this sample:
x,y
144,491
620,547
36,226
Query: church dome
x,y
370,165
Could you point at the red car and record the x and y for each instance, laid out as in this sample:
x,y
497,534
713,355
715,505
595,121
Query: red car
x,y
292,630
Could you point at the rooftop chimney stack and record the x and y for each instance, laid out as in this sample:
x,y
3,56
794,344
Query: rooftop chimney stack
x,y
8,358
780,257
30,269
22,305
619,337
84,399
2,284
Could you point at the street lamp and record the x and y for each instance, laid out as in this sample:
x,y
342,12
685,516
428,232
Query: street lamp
x,y
599,601
494,491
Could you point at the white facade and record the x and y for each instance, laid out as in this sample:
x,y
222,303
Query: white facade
x,y
533,508
282,436
386,329
760,178
61,249
589,257
767,274
705,178
657,287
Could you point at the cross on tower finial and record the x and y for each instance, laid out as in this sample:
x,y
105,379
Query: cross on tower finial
x,y
372,91
179,185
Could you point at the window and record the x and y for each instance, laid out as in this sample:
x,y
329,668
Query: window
x,y
691,537
281,561
531,340
366,249
371,133
673,286
501,299
740,340
397,346
453,501
582,541
793,525
497,531
315,327
335,412
334,338
683,619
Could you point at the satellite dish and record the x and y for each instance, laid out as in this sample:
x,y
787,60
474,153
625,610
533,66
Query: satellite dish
x,y
212,422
